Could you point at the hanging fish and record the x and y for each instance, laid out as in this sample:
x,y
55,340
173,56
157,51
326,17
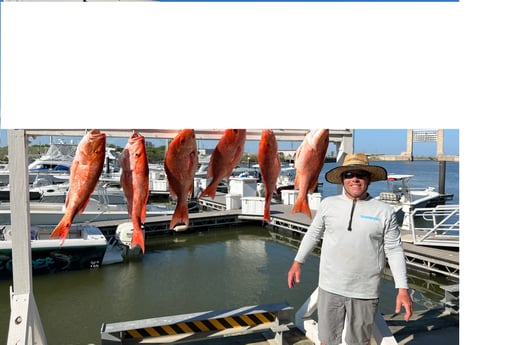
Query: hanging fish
x,y
309,160
86,168
180,165
225,157
270,167
135,184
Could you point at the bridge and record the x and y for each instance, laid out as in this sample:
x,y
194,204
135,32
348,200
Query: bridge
x,y
420,135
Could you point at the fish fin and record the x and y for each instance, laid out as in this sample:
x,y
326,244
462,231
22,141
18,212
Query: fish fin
x,y
138,237
313,186
62,229
266,216
143,214
266,210
180,215
83,205
296,180
209,191
129,207
302,206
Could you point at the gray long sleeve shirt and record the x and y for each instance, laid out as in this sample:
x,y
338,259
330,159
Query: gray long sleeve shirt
x,y
352,261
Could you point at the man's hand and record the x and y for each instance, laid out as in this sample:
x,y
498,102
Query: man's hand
x,y
403,299
294,274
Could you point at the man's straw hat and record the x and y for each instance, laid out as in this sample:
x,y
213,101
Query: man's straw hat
x,y
356,161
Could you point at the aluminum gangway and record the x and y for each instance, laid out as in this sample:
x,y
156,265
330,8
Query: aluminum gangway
x,y
436,226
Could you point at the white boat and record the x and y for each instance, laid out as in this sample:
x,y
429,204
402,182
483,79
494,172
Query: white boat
x,y
405,199
123,238
106,203
58,157
105,192
203,163
54,165
84,248
286,179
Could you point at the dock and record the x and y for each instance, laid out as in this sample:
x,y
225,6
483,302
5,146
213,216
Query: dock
x,y
431,327
290,227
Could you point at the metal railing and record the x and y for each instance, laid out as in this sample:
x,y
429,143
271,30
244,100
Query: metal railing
x,y
436,226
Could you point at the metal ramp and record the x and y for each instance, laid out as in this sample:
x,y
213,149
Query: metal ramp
x,y
194,327
436,226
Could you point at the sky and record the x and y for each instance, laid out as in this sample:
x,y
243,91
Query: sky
x,y
380,141
281,65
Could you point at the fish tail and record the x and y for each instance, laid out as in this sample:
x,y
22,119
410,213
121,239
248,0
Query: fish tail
x,y
138,237
266,209
302,206
62,229
209,191
180,215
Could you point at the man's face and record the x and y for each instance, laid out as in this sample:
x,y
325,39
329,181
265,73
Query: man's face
x,y
356,183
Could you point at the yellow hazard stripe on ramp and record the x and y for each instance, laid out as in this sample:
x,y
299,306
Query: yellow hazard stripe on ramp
x,y
210,325
201,326
217,325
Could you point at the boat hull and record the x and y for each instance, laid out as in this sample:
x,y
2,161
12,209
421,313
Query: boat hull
x,y
48,256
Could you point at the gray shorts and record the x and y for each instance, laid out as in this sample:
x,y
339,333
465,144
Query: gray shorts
x,y
332,310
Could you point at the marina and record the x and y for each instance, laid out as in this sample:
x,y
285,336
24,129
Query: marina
x,y
191,272
290,227
49,213
224,211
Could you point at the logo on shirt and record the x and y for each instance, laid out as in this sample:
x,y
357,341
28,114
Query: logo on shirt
x,y
376,219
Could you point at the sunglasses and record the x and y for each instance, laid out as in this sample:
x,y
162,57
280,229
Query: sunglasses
x,y
358,174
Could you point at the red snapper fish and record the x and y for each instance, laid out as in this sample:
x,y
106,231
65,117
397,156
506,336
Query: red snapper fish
x,y
86,169
309,160
225,157
135,184
180,165
270,167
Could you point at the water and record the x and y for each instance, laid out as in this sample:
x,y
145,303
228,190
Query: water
x,y
192,272
426,174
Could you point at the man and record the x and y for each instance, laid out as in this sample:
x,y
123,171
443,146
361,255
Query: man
x,y
359,233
